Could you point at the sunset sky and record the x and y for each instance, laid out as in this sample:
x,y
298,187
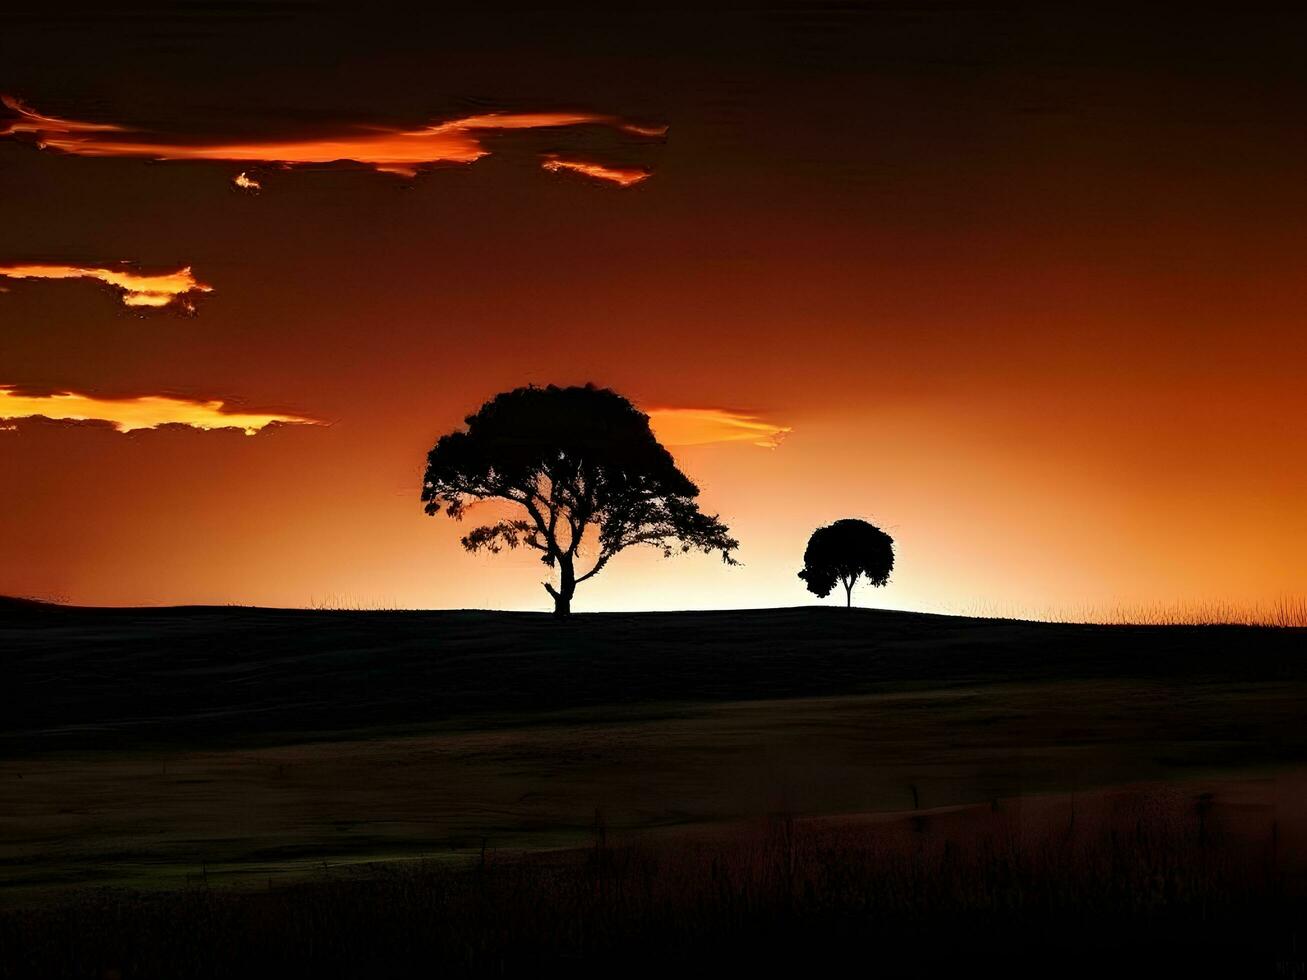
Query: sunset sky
x,y
1026,290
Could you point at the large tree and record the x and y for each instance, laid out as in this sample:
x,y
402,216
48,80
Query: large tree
x,y
843,552
586,474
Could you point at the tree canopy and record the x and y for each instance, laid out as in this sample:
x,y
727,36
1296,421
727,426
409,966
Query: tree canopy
x,y
843,552
580,463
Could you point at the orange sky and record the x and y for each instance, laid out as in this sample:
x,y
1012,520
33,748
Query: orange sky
x,y
1033,306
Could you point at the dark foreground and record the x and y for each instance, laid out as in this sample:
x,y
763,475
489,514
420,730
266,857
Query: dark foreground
x,y
241,792
101,678
1122,884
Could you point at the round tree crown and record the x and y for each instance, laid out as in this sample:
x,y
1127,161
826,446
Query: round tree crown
x,y
520,433
844,551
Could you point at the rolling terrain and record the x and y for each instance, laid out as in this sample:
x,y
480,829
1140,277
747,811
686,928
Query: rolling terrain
x,y
157,747
109,678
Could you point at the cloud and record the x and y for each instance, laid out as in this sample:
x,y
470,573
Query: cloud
x,y
625,176
128,414
639,130
245,182
707,426
137,289
30,121
386,149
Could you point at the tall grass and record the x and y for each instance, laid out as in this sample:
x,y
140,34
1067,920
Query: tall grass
x,y
1159,885
338,602
1283,612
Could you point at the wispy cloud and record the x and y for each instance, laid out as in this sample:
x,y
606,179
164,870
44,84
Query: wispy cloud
x,y
387,149
624,176
31,121
706,426
137,289
129,414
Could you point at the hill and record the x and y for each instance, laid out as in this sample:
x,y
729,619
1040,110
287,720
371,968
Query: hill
x,y
84,677
161,747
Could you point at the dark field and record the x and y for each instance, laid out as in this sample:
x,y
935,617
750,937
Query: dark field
x,y
204,676
690,784
1119,883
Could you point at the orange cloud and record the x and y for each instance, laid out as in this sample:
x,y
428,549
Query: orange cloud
x,y
137,289
246,182
706,426
128,414
30,121
385,149
625,176
639,130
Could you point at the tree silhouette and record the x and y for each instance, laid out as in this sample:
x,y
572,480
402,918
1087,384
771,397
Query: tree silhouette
x,y
844,551
575,460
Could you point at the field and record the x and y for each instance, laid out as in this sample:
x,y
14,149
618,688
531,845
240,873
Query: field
x,y
747,765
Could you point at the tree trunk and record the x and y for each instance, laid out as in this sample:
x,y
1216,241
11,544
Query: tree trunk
x,y
566,587
848,595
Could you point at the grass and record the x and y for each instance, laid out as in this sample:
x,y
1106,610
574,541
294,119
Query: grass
x,y
156,817
339,602
1128,883
143,746
118,678
219,792
1285,612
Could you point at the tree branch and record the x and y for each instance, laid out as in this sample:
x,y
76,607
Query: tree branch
x,y
604,558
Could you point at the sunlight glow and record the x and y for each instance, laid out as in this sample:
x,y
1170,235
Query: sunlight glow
x,y
129,414
137,289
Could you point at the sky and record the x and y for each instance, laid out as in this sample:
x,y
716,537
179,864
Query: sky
x,y
1025,289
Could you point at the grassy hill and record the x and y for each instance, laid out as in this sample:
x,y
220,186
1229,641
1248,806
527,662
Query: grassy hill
x,y
110,678
161,747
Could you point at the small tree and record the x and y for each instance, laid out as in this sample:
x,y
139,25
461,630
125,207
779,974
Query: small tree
x,y
575,460
844,551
